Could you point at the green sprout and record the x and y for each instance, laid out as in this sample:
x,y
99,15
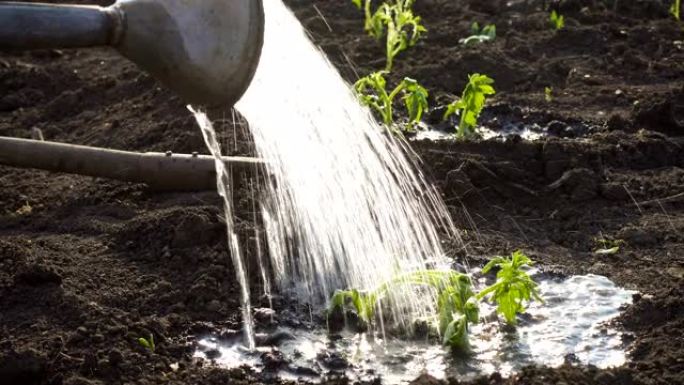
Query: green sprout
x,y
606,246
457,306
557,20
372,92
676,9
485,34
471,103
548,94
147,343
513,285
404,29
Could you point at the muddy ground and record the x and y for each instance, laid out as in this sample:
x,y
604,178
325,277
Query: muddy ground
x,y
87,265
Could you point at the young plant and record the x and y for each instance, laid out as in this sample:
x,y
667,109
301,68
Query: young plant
x,y
457,306
548,94
372,91
403,28
487,33
147,343
676,9
471,103
557,20
513,285
607,246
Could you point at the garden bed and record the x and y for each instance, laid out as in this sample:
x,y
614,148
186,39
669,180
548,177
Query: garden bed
x,y
87,266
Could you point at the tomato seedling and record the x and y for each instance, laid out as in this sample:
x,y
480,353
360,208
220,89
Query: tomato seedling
x,y
471,104
457,306
485,34
372,92
513,285
403,28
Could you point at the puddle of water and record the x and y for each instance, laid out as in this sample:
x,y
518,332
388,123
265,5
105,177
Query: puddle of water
x,y
531,132
570,325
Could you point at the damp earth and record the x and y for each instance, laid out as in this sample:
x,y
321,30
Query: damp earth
x,y
88,266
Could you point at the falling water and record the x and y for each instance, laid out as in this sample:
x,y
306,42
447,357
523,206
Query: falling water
x,y
223,183
344,203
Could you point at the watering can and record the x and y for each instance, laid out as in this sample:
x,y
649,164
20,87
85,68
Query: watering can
x,y
204,50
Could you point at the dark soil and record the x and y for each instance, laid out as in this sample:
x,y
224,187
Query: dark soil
x,y
87,266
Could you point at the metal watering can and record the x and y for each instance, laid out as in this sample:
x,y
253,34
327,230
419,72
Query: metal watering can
x,y
204,50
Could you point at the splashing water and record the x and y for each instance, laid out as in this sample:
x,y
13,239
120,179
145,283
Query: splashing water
x,y
345,205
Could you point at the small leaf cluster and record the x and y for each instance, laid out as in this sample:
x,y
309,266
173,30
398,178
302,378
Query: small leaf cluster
x,y
470,104
557,20
372,92
513,285
480,35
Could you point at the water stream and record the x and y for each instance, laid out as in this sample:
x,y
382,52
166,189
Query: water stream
x,y
344,204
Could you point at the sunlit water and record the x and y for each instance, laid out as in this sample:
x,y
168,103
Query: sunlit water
x,y
344,203
571,326
530,133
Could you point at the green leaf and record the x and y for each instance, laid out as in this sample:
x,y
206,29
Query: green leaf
x,y
415,99
675,9
456,333
147,343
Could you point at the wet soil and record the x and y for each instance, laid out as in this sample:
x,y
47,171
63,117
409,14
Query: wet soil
x,y
87,266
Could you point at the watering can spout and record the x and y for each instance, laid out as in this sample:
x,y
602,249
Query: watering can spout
x,y
206,51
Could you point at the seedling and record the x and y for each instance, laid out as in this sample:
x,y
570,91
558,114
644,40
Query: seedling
x,y
548,94
404,29
557,20
372,91
471,103
147,343
513,285
676,9
457,306
487,33
607,246
26,209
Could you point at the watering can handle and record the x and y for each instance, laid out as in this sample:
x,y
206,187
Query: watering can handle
x,y
43,26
